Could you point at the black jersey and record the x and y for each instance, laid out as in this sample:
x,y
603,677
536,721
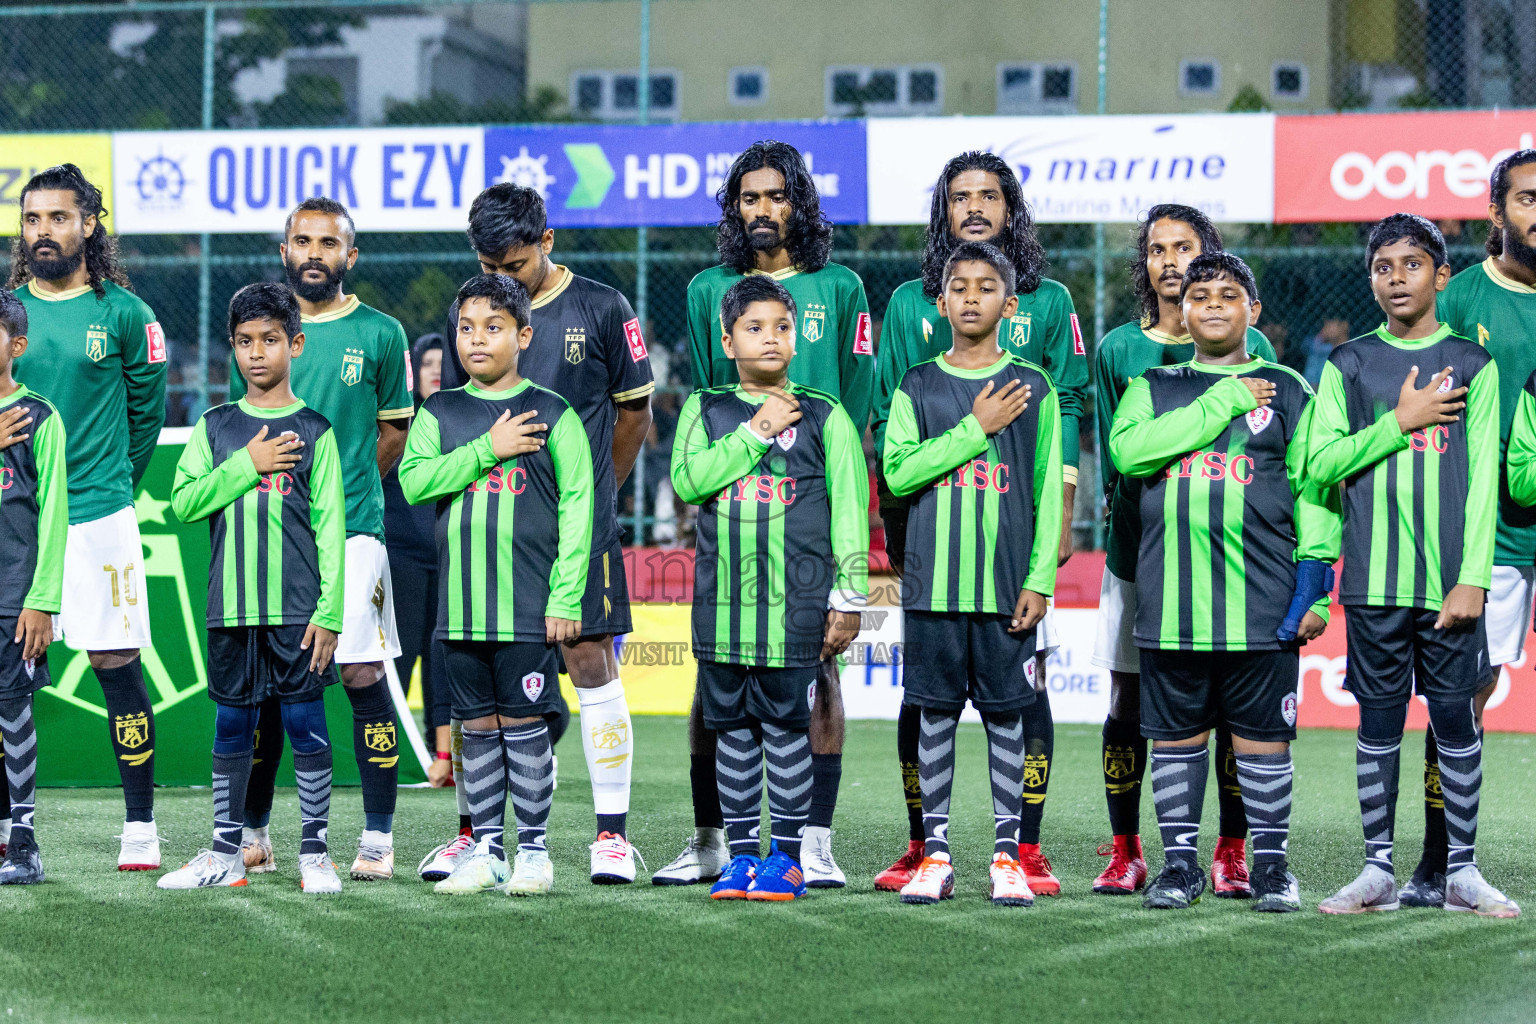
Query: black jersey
x,y
34,511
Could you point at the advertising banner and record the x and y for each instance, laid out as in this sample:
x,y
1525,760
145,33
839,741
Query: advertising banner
x,y
22,156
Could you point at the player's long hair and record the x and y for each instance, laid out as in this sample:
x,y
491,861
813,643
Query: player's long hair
x,y
1016,239
100,249
807,235
1498,193
1141,281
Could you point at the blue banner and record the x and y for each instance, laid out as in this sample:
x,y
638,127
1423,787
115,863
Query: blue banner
x,y
666,175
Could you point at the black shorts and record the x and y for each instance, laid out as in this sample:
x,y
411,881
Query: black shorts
x,y
949,659
1396,652
494,677
248,665
605,604
737,695
19,677
1253,693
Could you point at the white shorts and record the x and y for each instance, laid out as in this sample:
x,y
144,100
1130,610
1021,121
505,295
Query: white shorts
x,y
368,608
1114,647
104,608
1508,616
1047,640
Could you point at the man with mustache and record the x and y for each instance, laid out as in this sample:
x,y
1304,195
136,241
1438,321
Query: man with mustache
x,y
97,349
771,223
1493,303
356,372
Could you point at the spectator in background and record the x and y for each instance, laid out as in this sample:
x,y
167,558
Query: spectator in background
x,y
1330,336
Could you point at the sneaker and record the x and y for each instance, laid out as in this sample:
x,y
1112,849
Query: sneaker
x,y
22,864
5,836
1466,889
1372,892
532,874
1425,889
702,860
375,857
613,860
256,851
1274,889
1010,884
1176,888
205,870
900,873
1229,869
821,871
1038,871
933,881
778,879
1127,871
438,864
477,871
736,880
141,847
317,874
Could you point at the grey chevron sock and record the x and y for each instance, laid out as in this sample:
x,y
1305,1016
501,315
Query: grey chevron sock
x,y
1461,783
1376,767
936,775
485,785
1178,793
789,784
19,730
739,774
1005,757
231,775
1266,783
530,780
312,773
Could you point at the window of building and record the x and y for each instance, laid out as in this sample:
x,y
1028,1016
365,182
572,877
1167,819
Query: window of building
x,y
911,89
748,87
615,95
1199,77
1033,87
1288,81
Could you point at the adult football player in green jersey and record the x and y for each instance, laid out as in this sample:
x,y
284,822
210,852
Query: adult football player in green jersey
x,y
355,372
1169,237
1494,304
771,223
97,348
978,198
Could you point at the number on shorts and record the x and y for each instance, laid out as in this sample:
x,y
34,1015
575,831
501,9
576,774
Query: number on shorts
x,y
127,591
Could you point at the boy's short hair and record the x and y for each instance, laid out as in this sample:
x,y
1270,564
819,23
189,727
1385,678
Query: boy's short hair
x,y
322,204
1411,228
1213,266
265,300
505,215
13,314
750,289
501,291
982,252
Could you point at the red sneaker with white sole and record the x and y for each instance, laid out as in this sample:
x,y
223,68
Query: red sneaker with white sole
x,y
1038,870
1229,869
1127,871
893,878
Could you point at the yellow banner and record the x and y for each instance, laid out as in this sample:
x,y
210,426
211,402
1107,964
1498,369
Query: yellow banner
x,y
22,156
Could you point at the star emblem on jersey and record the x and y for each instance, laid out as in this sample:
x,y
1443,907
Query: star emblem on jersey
x,y
351,367
786,438
1022,323
1259,419
95,343
812,324
533,685
575,344
1445,385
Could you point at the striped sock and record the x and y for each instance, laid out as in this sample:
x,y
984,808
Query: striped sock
x,y
739,775
789,784
312,772
485,783
1178,793
1376,767
1005,757
20,738
231,775
1461,783
936,773
1266,781
530,780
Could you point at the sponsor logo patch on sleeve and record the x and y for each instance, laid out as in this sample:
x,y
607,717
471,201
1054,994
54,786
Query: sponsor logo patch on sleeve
x,y
635,339
410,372
863,340
154,334
1077,338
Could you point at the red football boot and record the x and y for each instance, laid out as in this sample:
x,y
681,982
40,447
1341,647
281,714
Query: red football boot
x,y
893,878
1229,869
1038,870
1127,871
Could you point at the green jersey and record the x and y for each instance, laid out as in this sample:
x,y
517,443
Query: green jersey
x,y
278,539
1420,509
34,510
834,343
1520,461
104,357
783,528
1044,331
1225,509
986,513
355,370
514,536
1500,314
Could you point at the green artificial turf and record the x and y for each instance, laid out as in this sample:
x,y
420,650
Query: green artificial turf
x,y
93,944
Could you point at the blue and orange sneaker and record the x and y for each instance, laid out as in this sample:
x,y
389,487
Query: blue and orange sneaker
x,y
736,879
779,879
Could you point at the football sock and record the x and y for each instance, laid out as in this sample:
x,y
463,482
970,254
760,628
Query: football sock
x,y
739,771
1436,845
1039,748
312,773
608,741
1231,822
19,730
485,779
826,777
1461,778
1125,762
1378,752
906,755
5,808
530,780
701,768
791,781
936,767
268,755
1266,782
376,742
1005,758
231,774
1178,794
131,724
456,745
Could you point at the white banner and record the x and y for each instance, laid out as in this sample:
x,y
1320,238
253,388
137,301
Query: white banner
x,y
1084,169
390,179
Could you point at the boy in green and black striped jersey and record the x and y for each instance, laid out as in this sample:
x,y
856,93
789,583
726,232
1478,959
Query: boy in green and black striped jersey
x,y
265,473
514,536
1420,472
779,576
34,518
1229,529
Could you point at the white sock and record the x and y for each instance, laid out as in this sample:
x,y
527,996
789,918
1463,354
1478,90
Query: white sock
x,y
249,834
5,830
456,744
384,839
607,740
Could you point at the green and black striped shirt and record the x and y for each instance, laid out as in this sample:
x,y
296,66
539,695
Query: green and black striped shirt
x,y
34,510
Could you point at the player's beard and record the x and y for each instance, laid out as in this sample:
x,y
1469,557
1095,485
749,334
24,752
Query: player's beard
x,y
1516,249
314,291
764,241
51,267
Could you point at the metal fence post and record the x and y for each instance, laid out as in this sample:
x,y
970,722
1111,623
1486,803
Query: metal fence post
x,y
642,266
204,256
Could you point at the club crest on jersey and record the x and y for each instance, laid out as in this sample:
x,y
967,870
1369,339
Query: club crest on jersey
x,y
575,344
351,367
1445,385
1259,419
95,343
786,438
1022,326
1288,709
812,324
533,685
